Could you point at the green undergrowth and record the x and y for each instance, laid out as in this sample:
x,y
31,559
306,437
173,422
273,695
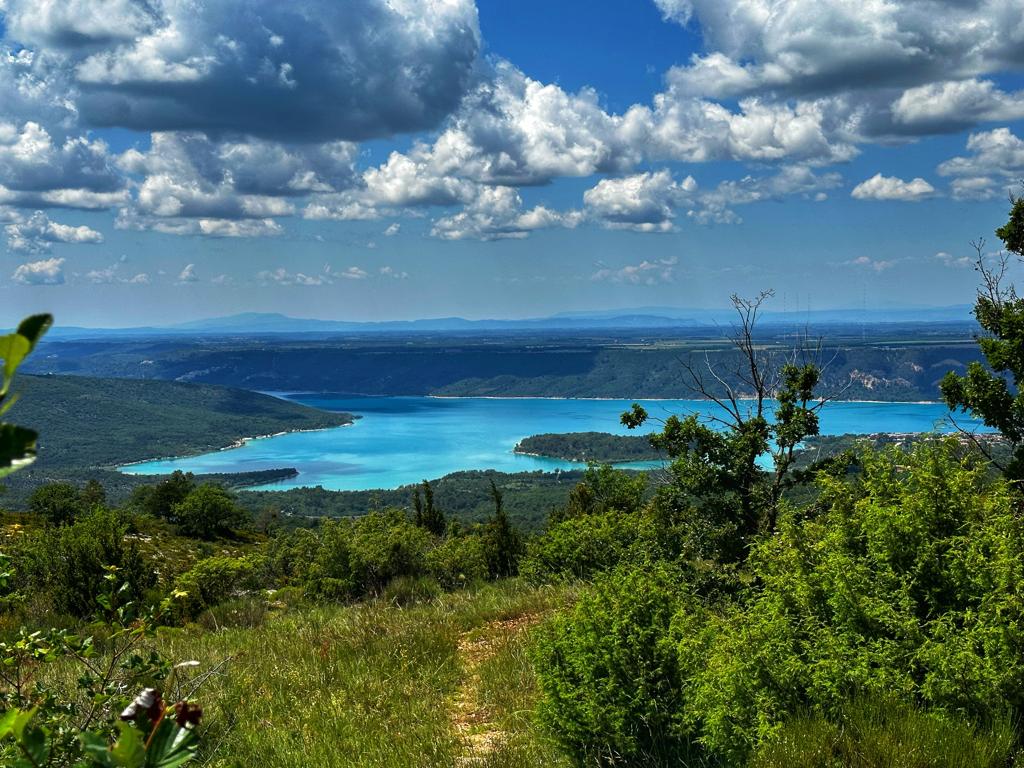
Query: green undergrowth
x,y
879,734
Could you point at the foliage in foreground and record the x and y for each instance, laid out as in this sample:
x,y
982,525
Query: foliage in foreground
x,y
42,725
17,444
608,670
101,724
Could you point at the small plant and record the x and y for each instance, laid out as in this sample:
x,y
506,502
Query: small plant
x,y
150,735
101,724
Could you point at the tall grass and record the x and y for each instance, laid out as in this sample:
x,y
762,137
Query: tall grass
x,y
877,734
366,685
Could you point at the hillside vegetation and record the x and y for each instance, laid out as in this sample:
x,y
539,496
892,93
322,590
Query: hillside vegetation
x,y
898,364
599,447
107,422
465,496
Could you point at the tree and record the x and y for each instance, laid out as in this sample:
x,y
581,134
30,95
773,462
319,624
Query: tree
x,y
207,511
428,516
993,394
59,503
603,488
417,507
503,544
159,500
93,495
73,561
720,469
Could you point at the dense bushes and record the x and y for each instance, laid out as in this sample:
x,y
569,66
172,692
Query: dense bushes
x,y
57,503
206,512
608,669
581,547
458,561
907,582
70,564
353,558
603,524
603,489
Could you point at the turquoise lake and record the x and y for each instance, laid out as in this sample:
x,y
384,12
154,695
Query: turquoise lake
x,y
402,440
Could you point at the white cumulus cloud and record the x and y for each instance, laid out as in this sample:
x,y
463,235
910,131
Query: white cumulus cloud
x,y
188,274
497,214
880,187
994,165
37,233
44,272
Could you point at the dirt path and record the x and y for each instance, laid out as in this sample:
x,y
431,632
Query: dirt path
x,y
470,717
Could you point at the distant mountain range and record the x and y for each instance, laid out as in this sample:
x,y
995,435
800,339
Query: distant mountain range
x,y
260,323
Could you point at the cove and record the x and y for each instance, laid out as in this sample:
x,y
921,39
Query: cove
x,y
402,440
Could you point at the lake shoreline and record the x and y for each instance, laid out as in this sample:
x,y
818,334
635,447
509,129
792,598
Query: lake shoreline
x,y
405,439
239,443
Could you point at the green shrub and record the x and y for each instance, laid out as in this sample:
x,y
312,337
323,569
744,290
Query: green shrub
x,y
603,489
290,554
907,584
877,734
582,546
328,574
384,546
58,503
458,561
212,581
353,558
608,672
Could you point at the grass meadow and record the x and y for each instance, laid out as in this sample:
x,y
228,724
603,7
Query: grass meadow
x,y
381,684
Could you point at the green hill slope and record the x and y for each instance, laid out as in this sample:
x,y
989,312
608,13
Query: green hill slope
x,y
85,422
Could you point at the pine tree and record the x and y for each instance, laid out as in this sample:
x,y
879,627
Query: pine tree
x,y
503,544
427,514
417,508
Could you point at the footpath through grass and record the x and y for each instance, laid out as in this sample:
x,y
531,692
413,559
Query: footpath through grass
x,y
440,683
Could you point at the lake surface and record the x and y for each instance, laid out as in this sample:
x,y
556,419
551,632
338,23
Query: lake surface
x,y
402,440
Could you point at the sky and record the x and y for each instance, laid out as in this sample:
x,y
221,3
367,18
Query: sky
x,y
169,160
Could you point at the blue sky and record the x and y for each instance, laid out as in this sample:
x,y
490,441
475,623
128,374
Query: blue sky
x,y
166,160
